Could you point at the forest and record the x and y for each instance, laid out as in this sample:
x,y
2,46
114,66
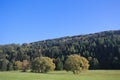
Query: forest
x,y
101,49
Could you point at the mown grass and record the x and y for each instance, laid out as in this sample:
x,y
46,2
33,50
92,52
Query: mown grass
x,y
62,75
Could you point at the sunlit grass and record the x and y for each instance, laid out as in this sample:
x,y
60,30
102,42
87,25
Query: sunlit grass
x,y
62,75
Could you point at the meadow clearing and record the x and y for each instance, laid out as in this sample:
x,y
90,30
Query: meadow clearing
x,y
62,75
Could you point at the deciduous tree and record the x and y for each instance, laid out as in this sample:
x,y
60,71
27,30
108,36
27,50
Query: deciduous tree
x,y
18,65
42,65
76,64
25,65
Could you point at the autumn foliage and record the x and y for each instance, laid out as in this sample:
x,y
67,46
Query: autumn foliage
x,y
42,65
76,64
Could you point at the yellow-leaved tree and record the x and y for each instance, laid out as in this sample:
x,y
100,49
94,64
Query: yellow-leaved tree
x,y
42,65
76,63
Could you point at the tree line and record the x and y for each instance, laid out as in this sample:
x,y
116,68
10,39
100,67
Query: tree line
x,y
102,50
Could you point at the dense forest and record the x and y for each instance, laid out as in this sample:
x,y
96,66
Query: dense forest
x,y
101,49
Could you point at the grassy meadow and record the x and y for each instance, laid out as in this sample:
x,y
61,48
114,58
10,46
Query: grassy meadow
x,y
62,75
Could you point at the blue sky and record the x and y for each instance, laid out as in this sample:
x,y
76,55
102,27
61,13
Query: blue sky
x,y
25,21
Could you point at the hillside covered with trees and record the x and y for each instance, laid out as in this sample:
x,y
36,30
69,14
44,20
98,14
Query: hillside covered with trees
x,y
102,50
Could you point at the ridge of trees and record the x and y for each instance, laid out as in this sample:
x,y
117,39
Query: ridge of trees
x,y
102,50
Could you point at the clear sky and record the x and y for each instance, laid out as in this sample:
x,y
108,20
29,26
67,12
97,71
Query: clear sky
x,y
25,21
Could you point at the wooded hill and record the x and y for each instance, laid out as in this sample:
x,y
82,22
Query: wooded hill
x,y
101,49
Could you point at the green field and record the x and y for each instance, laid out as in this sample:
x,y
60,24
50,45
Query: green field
x,y
62,75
